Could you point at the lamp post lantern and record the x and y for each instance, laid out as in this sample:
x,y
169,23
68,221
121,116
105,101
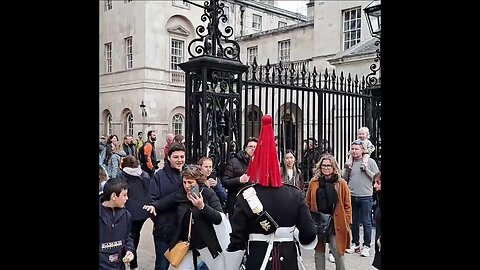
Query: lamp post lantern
x,y
374,15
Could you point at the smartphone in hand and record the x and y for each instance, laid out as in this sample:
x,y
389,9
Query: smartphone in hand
x,y
196,190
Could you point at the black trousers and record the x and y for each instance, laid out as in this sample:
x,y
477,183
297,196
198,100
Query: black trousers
x,y
136,228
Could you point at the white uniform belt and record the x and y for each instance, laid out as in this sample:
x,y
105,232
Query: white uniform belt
x,y
282,234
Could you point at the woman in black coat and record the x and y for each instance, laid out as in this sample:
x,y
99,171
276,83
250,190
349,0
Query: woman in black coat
x,y
205,208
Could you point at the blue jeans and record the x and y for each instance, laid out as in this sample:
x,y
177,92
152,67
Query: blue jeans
x,y
161,263
361,212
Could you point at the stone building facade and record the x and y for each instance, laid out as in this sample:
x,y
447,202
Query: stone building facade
x,y
142,42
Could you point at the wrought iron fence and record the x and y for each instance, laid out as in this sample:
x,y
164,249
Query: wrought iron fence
x,y
307,104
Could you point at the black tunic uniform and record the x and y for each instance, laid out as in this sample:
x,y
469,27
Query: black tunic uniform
x,y
287,207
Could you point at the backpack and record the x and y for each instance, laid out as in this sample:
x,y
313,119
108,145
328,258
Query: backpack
x,y
141,155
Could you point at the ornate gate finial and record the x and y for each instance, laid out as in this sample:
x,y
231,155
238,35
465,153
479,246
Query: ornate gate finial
x,y
211,40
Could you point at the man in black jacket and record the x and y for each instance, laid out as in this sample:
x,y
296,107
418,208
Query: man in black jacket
x,y
234,177
310,159
167,182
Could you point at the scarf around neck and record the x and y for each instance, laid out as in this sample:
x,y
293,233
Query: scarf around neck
x,y
330,192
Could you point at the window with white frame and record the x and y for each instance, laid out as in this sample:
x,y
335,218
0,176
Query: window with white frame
x,y
129,52
180,3
177,124
282,24
108,124
284,50
176,56
108,57
257,22
108,5
252,52
129,124
352,23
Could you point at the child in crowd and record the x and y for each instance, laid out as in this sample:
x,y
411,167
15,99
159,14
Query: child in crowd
x,y
363,134
115,244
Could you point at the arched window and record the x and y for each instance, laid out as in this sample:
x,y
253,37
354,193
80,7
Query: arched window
x,y
129,124
177,124
108,124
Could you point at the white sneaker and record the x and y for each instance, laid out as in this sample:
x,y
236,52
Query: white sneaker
x,y
365,251
353,248
331,258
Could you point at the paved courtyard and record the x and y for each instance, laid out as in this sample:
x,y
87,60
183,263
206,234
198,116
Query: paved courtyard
x,y
146,254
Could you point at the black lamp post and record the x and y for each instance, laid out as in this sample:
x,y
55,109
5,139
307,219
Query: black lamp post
x,y
144,111
373,13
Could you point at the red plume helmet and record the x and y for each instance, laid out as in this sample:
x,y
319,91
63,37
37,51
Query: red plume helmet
x,y
264,167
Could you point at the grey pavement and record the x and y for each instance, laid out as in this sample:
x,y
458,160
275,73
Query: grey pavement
x,y
146,254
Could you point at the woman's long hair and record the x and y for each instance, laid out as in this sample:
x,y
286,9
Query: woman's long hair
x,y
284,164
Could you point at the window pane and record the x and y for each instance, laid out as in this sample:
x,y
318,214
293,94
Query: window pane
x,y
130,124
108,57
252,52
109,124
284,50
176,54
351,27
177,124
129,52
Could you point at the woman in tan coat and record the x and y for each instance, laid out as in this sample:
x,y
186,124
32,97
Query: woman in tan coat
x,y
327,176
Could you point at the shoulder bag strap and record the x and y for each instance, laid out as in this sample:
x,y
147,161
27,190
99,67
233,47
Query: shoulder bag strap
x,y
190,226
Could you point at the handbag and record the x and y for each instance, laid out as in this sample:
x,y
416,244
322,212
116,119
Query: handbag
x,y
323,223
177,253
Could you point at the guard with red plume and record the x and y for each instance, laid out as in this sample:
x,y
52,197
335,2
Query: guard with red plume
x,y
270,217
264,167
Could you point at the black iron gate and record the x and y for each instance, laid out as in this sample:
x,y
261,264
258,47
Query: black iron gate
x,y
307,104
224,103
